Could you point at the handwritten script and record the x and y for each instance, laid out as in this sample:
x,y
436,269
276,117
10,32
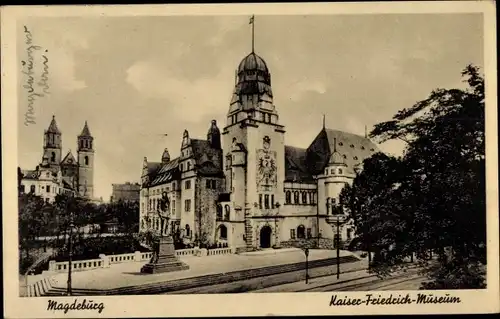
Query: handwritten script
x,y
35,69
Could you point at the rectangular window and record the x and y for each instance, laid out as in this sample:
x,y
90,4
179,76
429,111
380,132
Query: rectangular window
x,y
22,189
209,185
187,185
309,233
304,198
173,186
260,201
266,201
214,184
48,188
173,207
292,233
187,205
272,200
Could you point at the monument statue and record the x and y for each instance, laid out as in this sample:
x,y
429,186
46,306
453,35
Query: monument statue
x,y
164,258
163,211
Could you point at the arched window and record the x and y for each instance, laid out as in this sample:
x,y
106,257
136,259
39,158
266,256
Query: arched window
x,y
32,189
304,198
222,232
142,223
188,231
332,171
157,224
53,157
296,197
301,231
154,204
288,197
86,160
272,200
227,212
188,166
266,201
150,204
219,212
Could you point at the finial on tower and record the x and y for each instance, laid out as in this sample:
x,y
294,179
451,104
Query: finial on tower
x,y
252,22
324,121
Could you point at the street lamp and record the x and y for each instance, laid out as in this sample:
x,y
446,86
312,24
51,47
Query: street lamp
x,y
70,252
338,246
306,252
277,205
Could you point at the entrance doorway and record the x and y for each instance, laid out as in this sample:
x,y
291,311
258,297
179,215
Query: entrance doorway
x,y
265,237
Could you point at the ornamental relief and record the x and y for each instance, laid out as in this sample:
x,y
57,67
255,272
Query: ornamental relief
x,y
266,166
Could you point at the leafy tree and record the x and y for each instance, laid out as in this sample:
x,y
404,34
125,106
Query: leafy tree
x,y
433,197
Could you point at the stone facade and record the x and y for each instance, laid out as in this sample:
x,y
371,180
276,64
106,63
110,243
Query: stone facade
x,y
268,194
128,192
62,176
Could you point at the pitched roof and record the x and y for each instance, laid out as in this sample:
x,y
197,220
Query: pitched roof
x,y
85,132
353,148
53,126
69,159
296,168
165,173
29,174
208,159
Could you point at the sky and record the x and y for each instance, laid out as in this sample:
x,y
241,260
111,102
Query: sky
x,y
135,79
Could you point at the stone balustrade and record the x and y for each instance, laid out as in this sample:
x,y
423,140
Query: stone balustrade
x,y
106,261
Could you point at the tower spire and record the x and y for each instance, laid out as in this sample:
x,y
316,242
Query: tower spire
x,y
324,121
252,22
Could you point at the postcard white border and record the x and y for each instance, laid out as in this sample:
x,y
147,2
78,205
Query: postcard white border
x,y
473,301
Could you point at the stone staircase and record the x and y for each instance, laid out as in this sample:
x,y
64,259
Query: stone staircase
x,y
55,289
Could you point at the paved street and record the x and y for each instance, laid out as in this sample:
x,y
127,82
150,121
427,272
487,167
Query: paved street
x,y
358,279
128,274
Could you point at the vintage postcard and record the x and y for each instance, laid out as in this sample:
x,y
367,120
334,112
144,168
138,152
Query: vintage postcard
x,y
257,159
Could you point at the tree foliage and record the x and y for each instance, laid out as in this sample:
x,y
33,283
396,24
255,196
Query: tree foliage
x,y
432,198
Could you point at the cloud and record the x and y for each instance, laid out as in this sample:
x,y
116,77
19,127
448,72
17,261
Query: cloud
x,y
192,100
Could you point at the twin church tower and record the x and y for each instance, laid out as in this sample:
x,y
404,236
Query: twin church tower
x,y
57,175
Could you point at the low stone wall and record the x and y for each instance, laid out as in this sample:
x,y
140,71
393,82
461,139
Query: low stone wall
x,y
106,261
311,243
300,243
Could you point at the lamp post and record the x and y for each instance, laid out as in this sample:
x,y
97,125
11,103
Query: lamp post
x,y
277,205
306,252
70,252
338,247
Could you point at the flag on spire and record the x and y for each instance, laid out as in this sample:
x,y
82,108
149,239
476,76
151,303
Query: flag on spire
x,y
252,19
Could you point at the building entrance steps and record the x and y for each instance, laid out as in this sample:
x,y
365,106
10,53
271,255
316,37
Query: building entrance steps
x,y
127,279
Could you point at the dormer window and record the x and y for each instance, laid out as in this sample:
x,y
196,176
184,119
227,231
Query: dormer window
x,y
344,156
340,144
352,146
371,149
355,158
362,147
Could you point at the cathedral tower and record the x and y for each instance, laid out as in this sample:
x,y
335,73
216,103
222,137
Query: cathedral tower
x,y
86,163
52,144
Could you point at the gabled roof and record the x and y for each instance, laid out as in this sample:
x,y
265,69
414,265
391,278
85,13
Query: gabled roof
x,y
30,174
353,149
208,159
69,159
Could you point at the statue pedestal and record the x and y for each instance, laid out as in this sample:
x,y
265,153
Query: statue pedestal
x,y
167,260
